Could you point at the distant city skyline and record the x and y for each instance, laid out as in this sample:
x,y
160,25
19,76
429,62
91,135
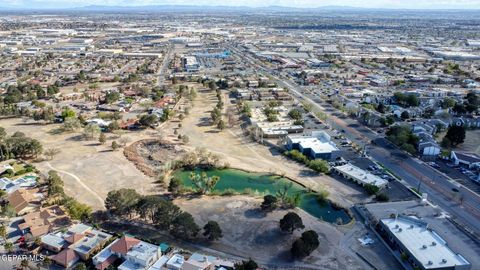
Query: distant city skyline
x,y
393,4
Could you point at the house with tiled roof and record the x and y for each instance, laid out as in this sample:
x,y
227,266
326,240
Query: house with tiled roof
x,y
43,221
24,200
82,239
133,254
66,258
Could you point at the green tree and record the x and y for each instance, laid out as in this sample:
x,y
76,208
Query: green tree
x,y
165,213
122,201
456,135
3,232
319,165
8,247
371,189
212,231
221,124
184,226
54,184
269,203
91,131
148,120
246,265
102,139
305,245
115,146
175,186
112,97
80,266
291,222
68,113
71,124
448,103
295,114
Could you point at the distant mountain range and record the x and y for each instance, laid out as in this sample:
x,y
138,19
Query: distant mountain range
x,y
204,8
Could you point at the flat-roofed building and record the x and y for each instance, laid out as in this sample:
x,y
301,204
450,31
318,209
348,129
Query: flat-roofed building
x,y
318,145
190,63
360,176
421,246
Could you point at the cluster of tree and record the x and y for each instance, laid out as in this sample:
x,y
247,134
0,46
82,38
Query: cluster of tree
x,y
18,146
402,136
111,97
406,100
27,92
244,108
271,113
185,91
305,245
200,157
75,209
296,115
216,113
455,136
470,104
148,120
161,212
318,165
283,198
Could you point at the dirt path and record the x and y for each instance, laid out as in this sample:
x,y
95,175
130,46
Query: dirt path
x,y
79,181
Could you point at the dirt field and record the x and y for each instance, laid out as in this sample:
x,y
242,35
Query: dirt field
x,y
89,170
242,153
258,236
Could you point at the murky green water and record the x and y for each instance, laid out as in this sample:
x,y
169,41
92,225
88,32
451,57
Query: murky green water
x,y
263,184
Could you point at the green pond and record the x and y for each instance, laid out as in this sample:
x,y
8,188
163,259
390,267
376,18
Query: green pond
x,y
263,184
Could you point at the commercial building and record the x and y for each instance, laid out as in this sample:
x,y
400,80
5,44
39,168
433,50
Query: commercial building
x,y
190,63
318,145
360,176
419,245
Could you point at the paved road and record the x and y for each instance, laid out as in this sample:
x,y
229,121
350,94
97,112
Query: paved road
x,y
163,69
463,206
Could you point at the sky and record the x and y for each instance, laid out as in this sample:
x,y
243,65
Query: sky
x,y
401,4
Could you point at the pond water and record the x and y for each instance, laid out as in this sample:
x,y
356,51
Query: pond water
x,y
263,184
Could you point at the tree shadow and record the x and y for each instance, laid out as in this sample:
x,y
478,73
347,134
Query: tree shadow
x,y
255,213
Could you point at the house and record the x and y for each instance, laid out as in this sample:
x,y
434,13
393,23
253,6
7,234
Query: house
x,y
66,258
10,185
175,262
81,238
22,200
134,253
43,221
318,145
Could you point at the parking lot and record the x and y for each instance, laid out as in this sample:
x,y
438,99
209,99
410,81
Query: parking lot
x,y
461,175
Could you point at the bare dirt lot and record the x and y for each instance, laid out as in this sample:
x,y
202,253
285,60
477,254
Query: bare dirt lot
x,y
248,232
89,170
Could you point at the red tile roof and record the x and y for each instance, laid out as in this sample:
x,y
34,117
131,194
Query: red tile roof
x,y
124,244
65,257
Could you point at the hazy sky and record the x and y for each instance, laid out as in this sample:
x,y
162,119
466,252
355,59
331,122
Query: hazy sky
x,y
410,4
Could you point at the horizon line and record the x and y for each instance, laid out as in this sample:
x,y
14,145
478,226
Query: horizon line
x,y
193,5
